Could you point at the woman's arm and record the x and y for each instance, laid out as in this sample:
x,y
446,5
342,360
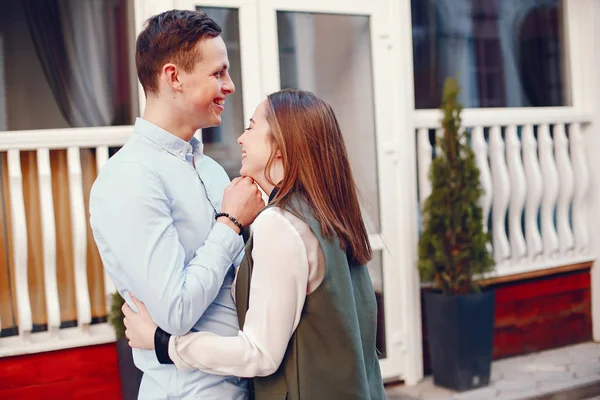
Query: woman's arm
x,y
277,294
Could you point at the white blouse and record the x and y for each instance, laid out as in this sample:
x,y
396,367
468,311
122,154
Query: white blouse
x,y
288,265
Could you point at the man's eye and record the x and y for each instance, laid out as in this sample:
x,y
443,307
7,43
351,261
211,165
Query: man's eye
x,y
218,74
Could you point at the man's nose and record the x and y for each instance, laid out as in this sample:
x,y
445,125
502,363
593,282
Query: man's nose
x,y
228,86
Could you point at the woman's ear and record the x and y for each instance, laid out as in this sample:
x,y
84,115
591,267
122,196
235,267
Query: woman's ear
x,y
275,151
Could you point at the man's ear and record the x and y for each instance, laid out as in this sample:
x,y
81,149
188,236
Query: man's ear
x,y
170,73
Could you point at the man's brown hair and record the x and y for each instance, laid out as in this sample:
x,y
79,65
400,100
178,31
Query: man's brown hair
x,y
171,37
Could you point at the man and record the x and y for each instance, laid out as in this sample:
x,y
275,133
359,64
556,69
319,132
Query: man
x,y
154,203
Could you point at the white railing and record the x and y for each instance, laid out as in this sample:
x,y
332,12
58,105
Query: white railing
x,y
71,140
532,163
535,179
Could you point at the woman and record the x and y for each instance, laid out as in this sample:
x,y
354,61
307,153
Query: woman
x,y
305,300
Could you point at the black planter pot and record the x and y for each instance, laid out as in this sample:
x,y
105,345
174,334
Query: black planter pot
x,y
131,376
460,333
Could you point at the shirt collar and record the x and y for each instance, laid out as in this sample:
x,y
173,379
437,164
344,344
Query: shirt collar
x,y
171,143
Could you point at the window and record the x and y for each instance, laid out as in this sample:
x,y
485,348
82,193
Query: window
x,y
505,53
66,64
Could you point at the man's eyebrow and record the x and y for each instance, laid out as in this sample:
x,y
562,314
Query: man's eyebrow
x,y
251,120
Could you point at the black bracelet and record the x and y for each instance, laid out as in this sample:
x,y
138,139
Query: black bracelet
x,y
235,221
161,346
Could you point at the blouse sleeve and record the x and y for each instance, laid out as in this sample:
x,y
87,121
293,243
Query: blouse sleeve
x,y
277,295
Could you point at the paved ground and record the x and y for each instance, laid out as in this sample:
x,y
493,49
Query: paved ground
x,y
559,372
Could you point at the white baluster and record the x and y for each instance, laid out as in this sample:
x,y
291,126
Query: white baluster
x,y
19,240
101,159
424,159
480,148
518,191
550,178
567,184
48,240
535,188
582,182
78,215
501,184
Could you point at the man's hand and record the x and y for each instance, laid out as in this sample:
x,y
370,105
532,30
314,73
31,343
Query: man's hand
x,y
242,200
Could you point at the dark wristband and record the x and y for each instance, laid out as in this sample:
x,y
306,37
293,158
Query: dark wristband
x,y
235,221
161,346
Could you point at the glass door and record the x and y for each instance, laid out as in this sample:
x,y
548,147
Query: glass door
x,y
330,48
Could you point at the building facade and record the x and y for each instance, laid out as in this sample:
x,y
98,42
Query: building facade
x,y
69,95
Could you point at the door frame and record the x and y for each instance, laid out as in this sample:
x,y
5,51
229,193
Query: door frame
x,y
398,327
391,49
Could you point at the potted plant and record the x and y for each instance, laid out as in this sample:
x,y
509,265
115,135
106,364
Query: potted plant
x,y
453,252
130,375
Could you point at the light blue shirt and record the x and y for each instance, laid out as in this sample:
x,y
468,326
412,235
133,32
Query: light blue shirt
x,y
152,211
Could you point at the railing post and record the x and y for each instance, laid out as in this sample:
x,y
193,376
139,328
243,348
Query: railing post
x,y
19,241
79,233
48,240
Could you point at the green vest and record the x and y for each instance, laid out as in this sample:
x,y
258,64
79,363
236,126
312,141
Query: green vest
x,y
331,355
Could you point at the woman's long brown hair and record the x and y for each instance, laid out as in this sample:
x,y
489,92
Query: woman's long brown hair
x,y
315,164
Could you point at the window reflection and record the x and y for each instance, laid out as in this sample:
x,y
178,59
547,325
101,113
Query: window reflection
x,y
506,53
330,55
220,142
66,64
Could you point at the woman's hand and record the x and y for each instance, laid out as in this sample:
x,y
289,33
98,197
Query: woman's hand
x,y
139,327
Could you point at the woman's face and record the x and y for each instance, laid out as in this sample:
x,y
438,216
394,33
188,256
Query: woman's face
x,y
256,149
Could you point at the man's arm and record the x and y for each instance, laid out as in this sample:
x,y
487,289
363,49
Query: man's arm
x,y
131,215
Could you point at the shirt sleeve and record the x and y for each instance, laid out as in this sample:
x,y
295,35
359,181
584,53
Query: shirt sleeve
x,y
277,295
131,215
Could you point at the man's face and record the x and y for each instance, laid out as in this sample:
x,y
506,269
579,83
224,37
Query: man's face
x,y
205,87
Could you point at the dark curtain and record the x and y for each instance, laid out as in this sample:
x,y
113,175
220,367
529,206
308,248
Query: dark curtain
x,y
77,47
540,59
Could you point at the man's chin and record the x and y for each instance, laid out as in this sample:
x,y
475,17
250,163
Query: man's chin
x,y
215,121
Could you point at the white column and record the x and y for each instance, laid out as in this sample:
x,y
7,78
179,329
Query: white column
x,y
582,183
501,200
480,148
402,95
567,185
584,50
550,179
518,191
535,188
